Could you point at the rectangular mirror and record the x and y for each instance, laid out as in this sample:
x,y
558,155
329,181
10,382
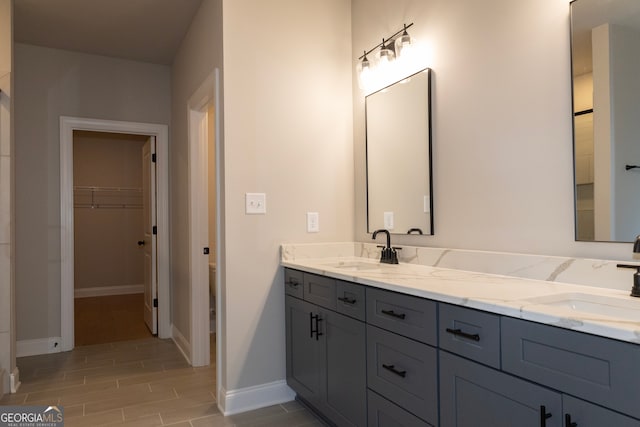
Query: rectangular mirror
x,y
605,56
398,131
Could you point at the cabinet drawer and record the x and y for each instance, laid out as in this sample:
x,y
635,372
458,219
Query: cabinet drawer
x,y
593,368
404,371
406,315
383,413
350,299
470,333
320,290
293,282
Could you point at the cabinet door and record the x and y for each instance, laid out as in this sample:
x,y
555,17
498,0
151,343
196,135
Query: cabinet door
x,y
344,350
305,367
473,395
585,414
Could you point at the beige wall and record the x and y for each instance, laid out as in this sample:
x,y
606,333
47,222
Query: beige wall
x,y
7,313
199,54
502,138
50,83
287,133
107,223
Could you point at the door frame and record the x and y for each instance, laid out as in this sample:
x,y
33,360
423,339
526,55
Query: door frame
x,y
161,132
205,96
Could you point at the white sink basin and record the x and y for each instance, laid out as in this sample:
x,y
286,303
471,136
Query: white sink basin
x,y
355,265
620,308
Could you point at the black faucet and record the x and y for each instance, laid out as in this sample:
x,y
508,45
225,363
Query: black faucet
x,y
635,290
389,255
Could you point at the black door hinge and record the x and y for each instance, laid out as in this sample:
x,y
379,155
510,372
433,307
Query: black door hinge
x,y
205,251
155,303
155,229
153,157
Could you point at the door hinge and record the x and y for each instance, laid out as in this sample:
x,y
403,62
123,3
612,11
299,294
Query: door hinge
x,y
155,303
153,158
155,229
205,251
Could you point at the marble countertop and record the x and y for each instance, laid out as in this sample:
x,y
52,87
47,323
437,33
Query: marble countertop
x,y
610,313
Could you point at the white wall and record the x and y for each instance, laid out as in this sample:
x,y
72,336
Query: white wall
x,y
7,290
199,54
287,133
50,83
502,138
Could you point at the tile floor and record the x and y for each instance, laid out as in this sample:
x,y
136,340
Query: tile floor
x,y
137,383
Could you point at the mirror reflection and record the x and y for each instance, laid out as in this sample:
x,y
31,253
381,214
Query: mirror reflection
x,y
398,131
605,41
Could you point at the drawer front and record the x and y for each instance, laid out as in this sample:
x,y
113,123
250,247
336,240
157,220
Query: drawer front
x,y
593,368
406,315
383,413
470,333
293,282
350,299
404,371
320,290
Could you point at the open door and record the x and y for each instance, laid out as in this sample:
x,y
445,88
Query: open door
x,y
149,242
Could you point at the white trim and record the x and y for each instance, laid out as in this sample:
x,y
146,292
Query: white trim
x,y
161,132
197,107
105,291
38,346
14,379
250,398
182,343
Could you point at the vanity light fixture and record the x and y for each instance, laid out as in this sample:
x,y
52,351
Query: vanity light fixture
x,y
392,48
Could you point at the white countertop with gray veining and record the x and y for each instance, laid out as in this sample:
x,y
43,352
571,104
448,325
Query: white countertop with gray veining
x,y
605,312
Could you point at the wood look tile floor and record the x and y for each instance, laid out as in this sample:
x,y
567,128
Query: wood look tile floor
x,y
142,383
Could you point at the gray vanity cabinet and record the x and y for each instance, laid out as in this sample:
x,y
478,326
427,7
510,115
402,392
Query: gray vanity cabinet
x,y
473,395
326,355
578,413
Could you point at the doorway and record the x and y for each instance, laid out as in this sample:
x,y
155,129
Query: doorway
x,y
160,133
114,247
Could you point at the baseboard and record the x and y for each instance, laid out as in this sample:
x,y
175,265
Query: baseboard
x,y
182,343
105,291
15,380
247,399
39,346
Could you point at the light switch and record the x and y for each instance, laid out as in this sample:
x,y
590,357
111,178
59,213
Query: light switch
x,y
313,222
255,203
388,220
427,204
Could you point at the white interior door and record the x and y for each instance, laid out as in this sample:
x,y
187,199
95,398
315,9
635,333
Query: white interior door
x,y
149,242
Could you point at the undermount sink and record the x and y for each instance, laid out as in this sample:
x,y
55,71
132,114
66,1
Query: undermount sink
x,y
354,265
620,308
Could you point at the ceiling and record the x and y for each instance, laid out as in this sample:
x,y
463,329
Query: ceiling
x,y
140,30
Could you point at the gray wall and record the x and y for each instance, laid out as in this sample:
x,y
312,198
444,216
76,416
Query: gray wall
x,y
51,83
502,136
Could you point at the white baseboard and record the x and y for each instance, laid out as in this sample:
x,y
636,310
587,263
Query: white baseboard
x,y
182,343
247,399
39,346
105,291
15,380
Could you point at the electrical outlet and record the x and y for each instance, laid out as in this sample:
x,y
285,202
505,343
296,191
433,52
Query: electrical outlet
x,y
388,220
313,222
255,203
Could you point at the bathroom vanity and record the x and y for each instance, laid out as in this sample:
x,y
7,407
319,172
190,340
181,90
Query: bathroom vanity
x,y
408,345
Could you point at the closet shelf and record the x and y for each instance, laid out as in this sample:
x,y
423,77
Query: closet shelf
x,y
94,197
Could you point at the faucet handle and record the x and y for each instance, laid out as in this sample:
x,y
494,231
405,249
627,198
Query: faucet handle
x,y
635,290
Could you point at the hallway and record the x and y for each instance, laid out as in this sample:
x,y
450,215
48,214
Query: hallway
x,y
138,383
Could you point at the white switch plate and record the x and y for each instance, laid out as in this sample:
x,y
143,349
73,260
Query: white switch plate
x,y
388,220
255,203
313,222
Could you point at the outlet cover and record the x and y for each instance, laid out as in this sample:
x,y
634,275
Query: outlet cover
x,y
313,222
388,220
255,203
